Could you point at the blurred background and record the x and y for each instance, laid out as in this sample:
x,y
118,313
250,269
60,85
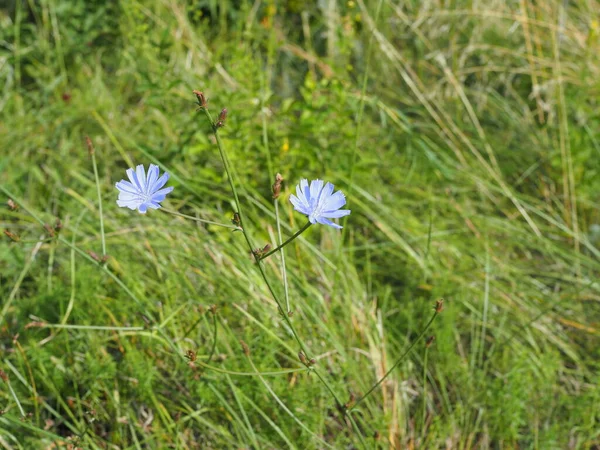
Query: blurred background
x,y
465,135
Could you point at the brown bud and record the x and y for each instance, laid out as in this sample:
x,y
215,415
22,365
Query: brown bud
x,y
213,309
94,255
236,220
190,355
50,230
12,205
89,144
104,259
277,186
58,225
222,118
201,99
12,236
351,401
430,340
35,325
376,435
245,348
303,358
439,305
3,376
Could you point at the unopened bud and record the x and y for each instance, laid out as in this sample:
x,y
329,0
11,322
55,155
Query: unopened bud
x,y
277,186
3,376
439,305
94,255
429,341
213,309
50,230
245,348
89,144
58,225
222,118
191,355
303,358
236,220
376,435
260,252
12,236
12,205
350,402
201,99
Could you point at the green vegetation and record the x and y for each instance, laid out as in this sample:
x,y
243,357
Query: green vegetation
x,y
466,137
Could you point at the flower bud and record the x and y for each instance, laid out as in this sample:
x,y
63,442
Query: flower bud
x,y
222,118
439,305
12,236
430,340
12,205
201,99
245,348
277,186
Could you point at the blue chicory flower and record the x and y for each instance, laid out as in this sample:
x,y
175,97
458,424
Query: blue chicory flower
x,y
319,203
142,192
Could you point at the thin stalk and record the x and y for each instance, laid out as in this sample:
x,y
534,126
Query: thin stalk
x,y
424,415
97,178
376,385
214,344
14,395
294,236
283,269
286,317
210,222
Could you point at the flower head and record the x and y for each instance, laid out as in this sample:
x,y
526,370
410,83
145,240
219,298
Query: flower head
x,y
319,202
142,192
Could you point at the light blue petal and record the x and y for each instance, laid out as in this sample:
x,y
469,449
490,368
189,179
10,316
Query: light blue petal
x,y
152,177
128,196
299,205
131,204
153,205
143,208
134,179
324,221
160,182
316,186
325,193
126,186
305,191
336,214
335,201
164,191
141,176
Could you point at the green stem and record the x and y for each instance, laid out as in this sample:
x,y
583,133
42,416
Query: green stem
x,y
283,269
295,235
97,178
286,318
214,344
376,385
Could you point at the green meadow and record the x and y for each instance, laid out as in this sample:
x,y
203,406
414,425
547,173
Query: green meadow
x,y
459,306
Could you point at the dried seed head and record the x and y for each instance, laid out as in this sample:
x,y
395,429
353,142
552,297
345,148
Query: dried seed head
x,y
213,309
3,376
50,230
12,205
89,144
439,305
430,340
12,236
93,255
245,348
191,355
277,186
222,118
303,358
201,99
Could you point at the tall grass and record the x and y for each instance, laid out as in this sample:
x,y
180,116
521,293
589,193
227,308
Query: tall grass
x,y
472,175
